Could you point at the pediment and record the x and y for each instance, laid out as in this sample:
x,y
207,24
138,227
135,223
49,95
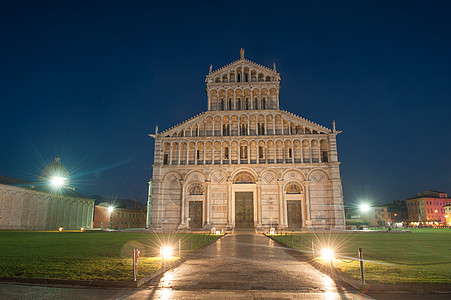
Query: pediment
x,y
244,65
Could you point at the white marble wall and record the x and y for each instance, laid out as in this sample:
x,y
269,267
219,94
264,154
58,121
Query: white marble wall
x,y
22,208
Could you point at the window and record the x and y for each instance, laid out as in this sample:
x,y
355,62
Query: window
x,y
243,152
166,159
226,153
260,152
222,105
243,129
225,129
255,103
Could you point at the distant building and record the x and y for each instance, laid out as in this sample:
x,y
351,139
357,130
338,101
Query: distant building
x,y
41,205
447,215
119,218
397,212
427,208
377,216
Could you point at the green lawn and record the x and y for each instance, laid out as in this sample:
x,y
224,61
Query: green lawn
x,y
423,256
85,255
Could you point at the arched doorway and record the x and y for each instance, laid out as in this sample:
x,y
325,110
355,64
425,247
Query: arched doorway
x,y
294,196
244,200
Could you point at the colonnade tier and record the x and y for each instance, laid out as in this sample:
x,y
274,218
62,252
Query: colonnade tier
x,y
243,98
243,125
246,152
243,74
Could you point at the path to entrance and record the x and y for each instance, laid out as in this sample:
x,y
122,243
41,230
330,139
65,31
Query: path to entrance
x,y
244,266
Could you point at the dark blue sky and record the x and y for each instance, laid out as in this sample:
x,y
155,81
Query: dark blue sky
x,y
88,80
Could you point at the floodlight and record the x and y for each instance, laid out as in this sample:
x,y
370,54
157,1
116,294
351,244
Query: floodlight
x,y
57,181
60,229
327,254
364,207
110,209
166,251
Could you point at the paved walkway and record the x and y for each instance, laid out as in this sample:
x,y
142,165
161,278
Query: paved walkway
x,y
244,266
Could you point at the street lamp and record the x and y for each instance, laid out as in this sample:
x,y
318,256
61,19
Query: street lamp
x,y
110,210
364,207
57,181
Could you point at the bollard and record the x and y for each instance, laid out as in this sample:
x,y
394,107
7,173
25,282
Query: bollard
x,y
291,241
198,241
191,245
135,263
300,244
180,248
362,273
205,239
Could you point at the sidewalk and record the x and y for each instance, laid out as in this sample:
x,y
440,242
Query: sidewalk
x,y
245,265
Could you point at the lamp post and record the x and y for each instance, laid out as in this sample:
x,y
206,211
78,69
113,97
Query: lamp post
x,y
110,210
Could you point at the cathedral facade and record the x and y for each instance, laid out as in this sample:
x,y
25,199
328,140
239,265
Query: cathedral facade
x,y
245,163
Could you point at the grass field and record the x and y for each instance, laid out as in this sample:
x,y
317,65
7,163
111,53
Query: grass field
x,y
85,255
423,256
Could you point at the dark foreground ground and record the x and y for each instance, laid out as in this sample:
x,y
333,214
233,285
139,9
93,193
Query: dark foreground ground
x,y
239,266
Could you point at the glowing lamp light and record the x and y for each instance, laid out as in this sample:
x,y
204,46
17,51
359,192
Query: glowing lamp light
x,y
166,252
364,207
110,209
82,229
327,254
60,229
218,232
57,181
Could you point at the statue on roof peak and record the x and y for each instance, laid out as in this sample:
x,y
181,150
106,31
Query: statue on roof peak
x,y
242,53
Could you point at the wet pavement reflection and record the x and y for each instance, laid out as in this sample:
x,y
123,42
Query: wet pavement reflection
x,y
246,266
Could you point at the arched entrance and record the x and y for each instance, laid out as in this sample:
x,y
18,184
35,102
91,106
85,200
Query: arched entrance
x,y
294,196
244,194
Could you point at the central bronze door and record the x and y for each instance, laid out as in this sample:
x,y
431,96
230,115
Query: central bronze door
x,y
294,213
195,214
244,210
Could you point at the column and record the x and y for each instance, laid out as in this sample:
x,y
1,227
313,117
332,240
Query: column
x,y
207,202
182,213
311,151
195,154
302,154
280,195
204,152
274,125
248,153
259,203
187,152
222,152
229,202
179,147
307,200
275,152
170,154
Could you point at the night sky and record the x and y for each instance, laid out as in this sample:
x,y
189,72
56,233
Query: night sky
x,y
88,80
